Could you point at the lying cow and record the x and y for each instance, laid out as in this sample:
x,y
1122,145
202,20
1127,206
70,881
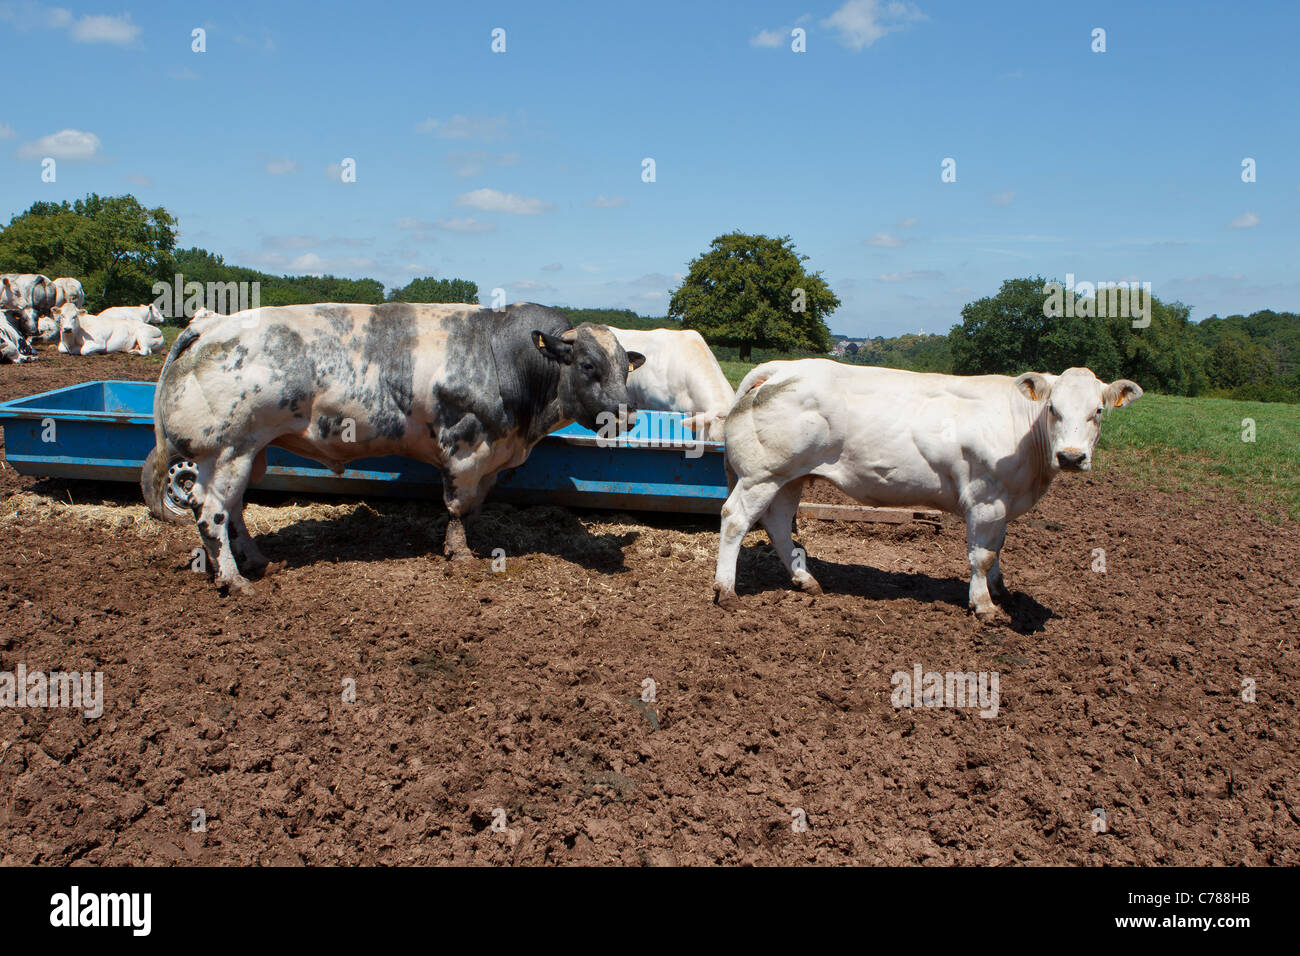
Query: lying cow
x,y
13,350
465,389
680,374
983,447
81,333
135,313
68,290
26,297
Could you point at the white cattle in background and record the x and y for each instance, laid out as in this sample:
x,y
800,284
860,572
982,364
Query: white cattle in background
x,y
83,334
680,374
11,343
984,447
68,290
134,313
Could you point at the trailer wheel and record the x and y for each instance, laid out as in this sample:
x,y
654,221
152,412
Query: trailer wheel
x,y
171,502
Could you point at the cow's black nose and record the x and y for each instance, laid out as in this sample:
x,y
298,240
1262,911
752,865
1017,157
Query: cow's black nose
x,y
1070,459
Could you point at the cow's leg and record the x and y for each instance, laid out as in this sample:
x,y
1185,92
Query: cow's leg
x,y
778,520
746,504
986,529
221,484
998,589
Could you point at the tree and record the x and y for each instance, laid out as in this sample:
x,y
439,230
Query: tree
x,y
114,245
430,289
753,292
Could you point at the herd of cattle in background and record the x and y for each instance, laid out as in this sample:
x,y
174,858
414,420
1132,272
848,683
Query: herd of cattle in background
x,y
471,390
35,308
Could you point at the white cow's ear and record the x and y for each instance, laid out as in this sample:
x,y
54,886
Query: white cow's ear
x,y
553,347
634,361
1035,386
1120,393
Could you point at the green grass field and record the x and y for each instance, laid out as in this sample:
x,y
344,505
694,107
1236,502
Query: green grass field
x,y
1185,445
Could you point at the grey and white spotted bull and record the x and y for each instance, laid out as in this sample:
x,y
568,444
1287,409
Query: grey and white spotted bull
x,y
466,389
984,447
30,296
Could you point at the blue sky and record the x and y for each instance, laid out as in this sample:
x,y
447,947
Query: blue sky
x,y
522,170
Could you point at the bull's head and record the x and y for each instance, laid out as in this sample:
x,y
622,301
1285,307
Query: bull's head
x,y
593,374
1075,400
154,316
8,295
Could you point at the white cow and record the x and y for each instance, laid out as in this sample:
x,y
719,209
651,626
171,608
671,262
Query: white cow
x,y
983,447
83,334
11,343
68,290
31,295
680,374
134,313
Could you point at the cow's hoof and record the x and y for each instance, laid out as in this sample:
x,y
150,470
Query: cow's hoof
x,y
236,584
986,615
809,585
725,598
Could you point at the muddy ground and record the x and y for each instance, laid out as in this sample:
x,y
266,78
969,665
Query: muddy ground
x,y
520,691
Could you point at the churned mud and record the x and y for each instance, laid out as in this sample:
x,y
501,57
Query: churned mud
x,y
499,715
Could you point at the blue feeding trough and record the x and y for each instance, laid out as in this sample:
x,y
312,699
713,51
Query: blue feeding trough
x,y
102,431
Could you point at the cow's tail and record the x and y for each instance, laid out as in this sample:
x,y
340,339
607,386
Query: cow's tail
x,y
756,377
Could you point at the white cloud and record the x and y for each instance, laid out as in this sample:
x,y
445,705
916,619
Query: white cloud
x,y
860,23
908,222
97,28
474,163
184,73
1247,220
105,29
530,285
406,222
468,224
910,275
884,240
1004,198
767,38
493,200
553,267
136,179
612,202
462,126
6,131
280,167
313,264
71,144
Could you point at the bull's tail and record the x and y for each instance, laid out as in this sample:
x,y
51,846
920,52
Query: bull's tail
x,y
756,377
165,448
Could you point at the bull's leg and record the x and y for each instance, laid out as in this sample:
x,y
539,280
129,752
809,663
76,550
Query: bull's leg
x,y
777,521
745,505
222,484
986,529
463,496
248,555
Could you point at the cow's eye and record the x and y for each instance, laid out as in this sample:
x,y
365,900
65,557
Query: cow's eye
x,y
1053,411
588,368
1097,413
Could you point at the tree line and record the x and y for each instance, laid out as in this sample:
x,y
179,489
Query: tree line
x,y
750,296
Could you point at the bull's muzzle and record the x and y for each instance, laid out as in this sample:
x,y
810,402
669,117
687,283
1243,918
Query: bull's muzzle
x,y
1072,460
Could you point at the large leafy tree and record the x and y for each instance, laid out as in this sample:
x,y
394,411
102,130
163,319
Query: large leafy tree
x,y
117,247
430,289
753,292
1009,333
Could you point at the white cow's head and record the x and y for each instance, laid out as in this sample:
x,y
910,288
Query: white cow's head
x,y
154,316
1074,401
69,319
8,294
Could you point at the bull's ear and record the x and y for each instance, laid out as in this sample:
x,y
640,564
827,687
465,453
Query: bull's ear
x,y
1035,386
553,347
634,361
1120,393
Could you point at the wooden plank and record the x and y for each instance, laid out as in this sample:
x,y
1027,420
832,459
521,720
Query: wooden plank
x,y
863,513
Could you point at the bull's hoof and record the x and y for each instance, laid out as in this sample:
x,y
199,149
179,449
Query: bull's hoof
x,y
987,614
725,598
